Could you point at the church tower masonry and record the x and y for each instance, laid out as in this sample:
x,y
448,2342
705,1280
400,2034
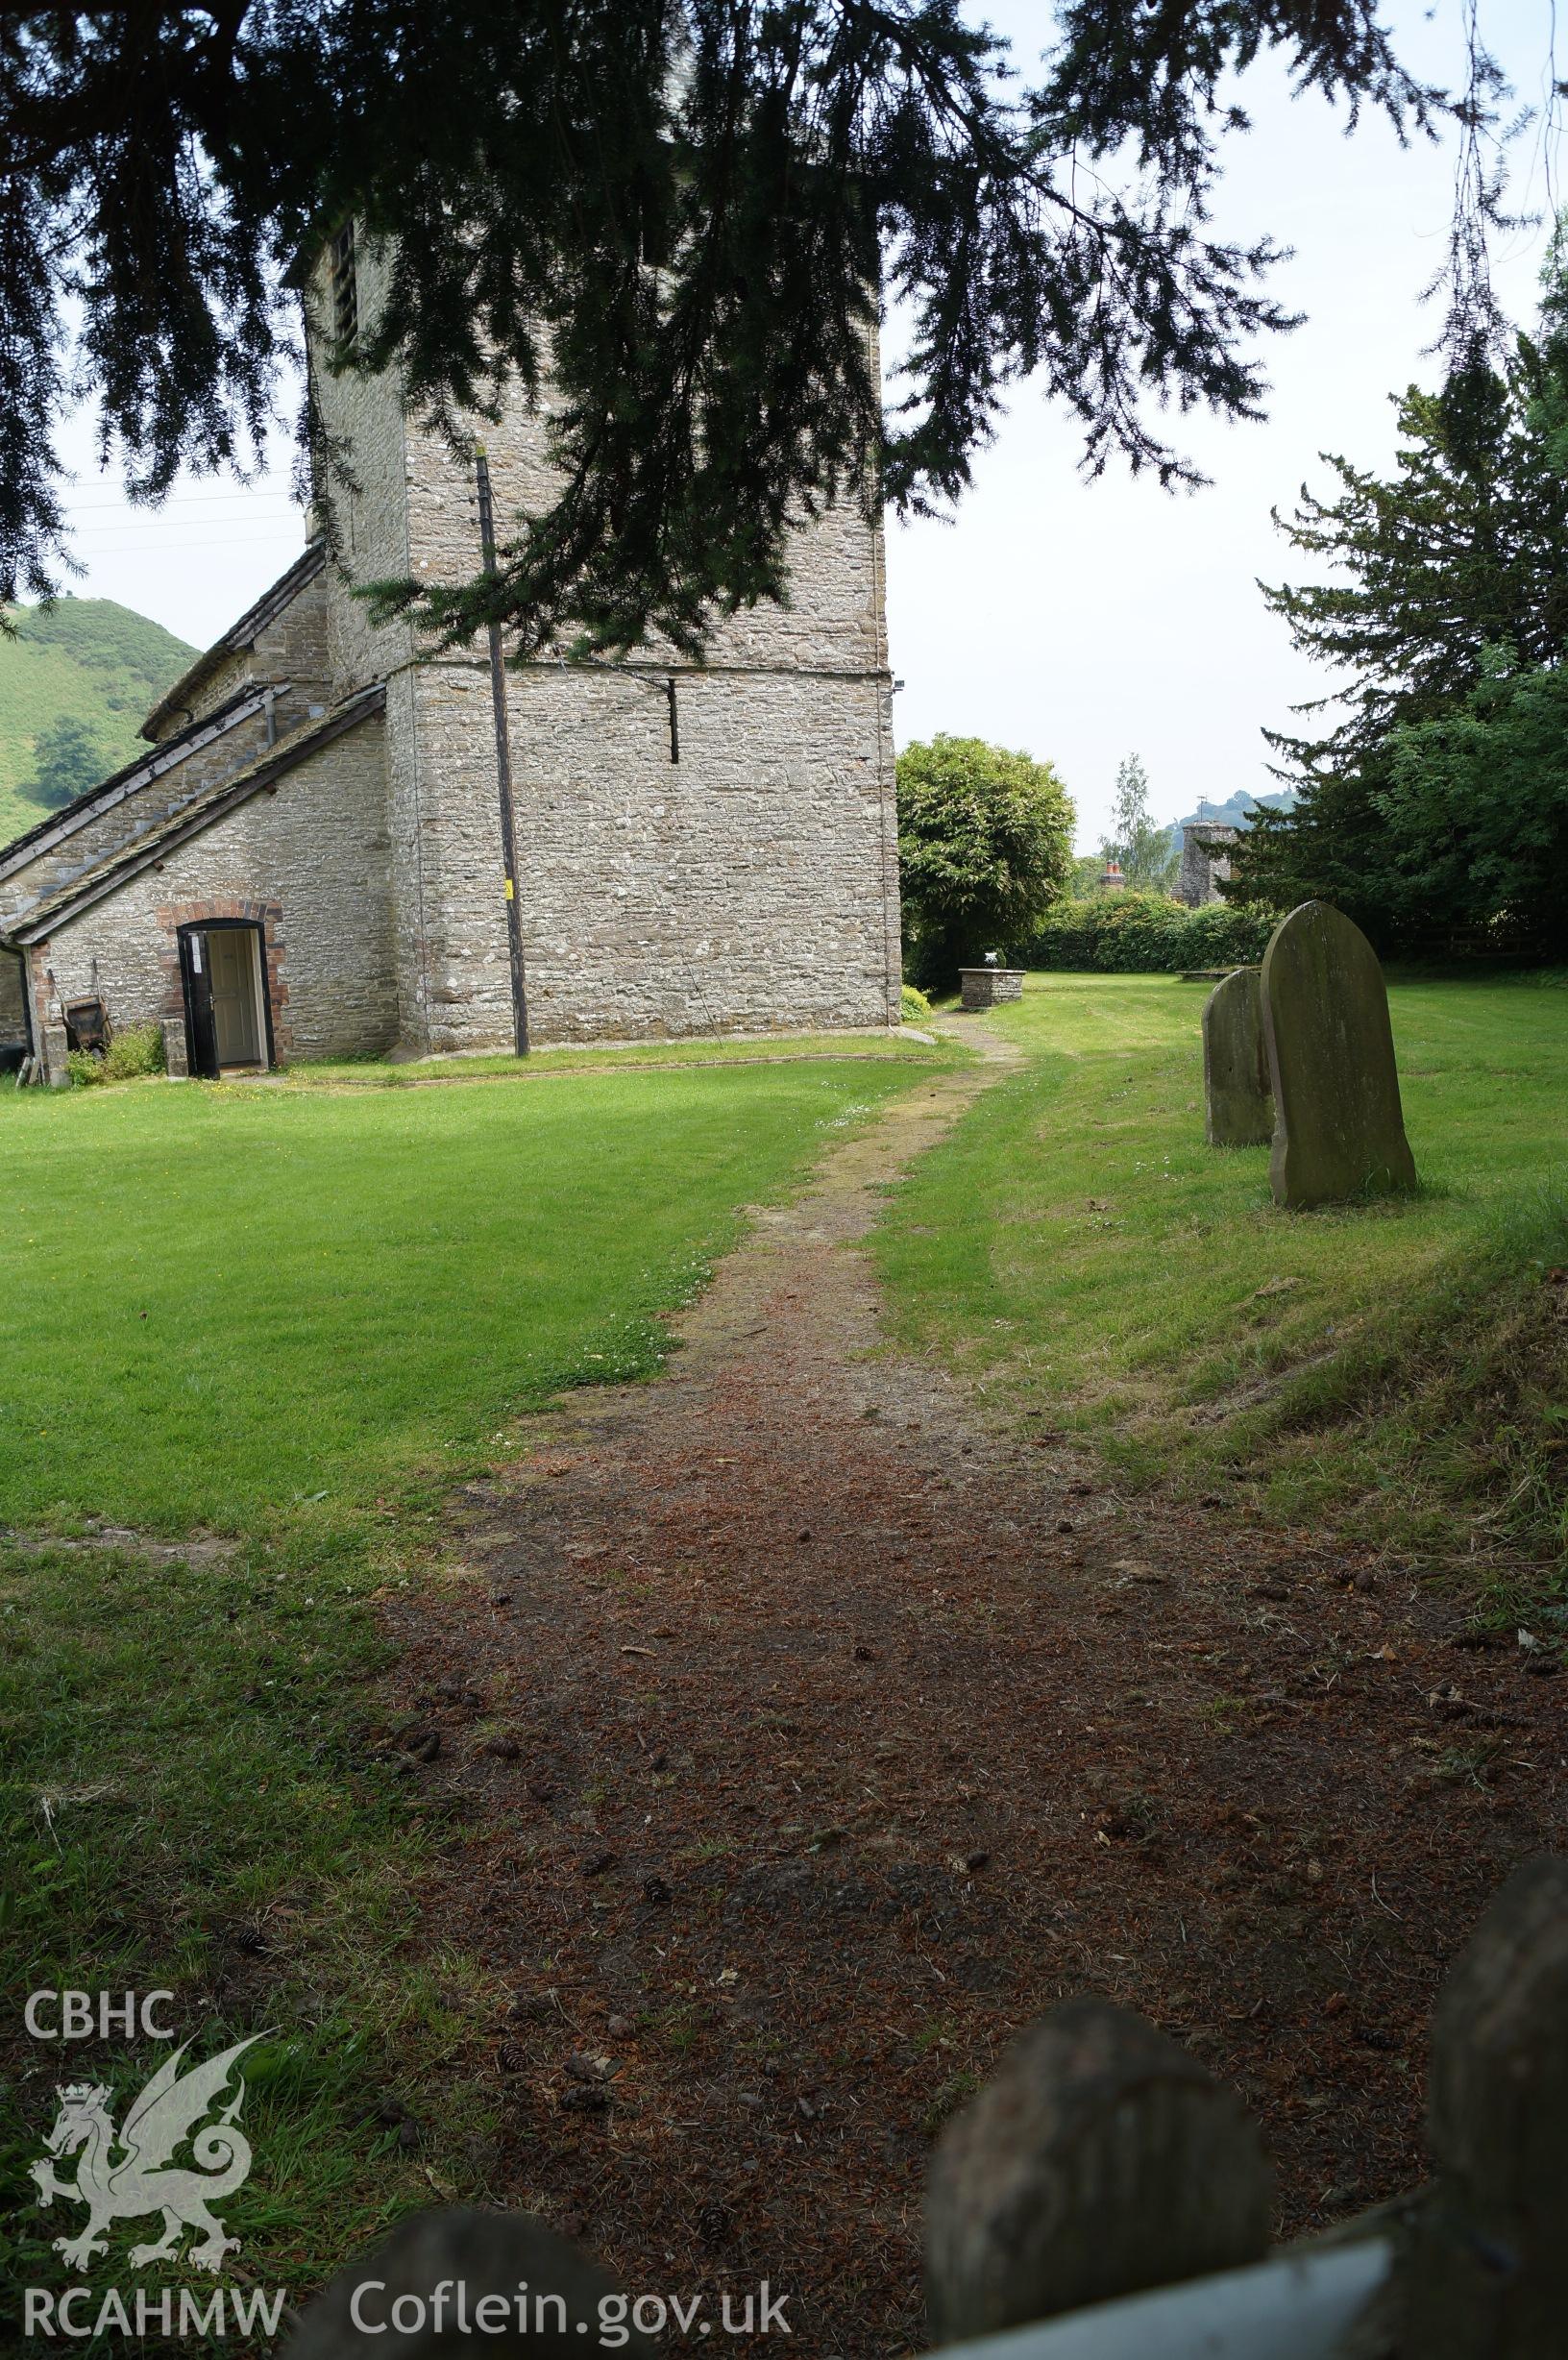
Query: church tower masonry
x,y
700,848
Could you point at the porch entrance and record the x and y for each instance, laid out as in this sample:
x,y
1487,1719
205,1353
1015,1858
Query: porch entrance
x,y
228,1021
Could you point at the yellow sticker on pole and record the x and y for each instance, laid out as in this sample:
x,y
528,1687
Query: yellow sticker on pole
x,y
510,895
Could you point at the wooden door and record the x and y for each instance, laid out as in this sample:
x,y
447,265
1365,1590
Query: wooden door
x,y
201,1040
236,1018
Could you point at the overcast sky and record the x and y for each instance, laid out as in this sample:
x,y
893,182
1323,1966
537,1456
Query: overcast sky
x,y
1078,620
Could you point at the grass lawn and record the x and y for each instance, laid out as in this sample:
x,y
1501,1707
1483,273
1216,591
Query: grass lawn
x,y
1394,1371
733,1050
292,1317
249,1311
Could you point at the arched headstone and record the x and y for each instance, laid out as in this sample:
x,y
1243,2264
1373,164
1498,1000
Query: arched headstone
x,y
1237,1101
1339,1126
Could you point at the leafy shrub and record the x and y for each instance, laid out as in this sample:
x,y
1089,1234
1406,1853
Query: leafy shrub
x,y
916,1006
1223,935
985,845
131,1054
1147,934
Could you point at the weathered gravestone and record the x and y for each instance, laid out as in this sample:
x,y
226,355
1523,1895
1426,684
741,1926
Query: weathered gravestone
x,y
1338,1128
1239,1103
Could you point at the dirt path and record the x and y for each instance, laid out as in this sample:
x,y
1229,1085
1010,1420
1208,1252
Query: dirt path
x,y
804,1735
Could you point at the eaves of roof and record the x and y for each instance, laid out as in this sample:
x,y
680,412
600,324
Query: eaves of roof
x,y
241,634
195,817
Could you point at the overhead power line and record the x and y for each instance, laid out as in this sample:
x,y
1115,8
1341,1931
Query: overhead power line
x,y
175,499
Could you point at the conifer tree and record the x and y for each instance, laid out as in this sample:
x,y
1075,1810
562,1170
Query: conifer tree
x,y
689,206
1442,592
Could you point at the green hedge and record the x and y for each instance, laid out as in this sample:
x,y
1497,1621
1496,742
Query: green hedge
x,y
1147,934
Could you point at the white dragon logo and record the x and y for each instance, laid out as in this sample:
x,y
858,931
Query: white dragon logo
x,y
142,2178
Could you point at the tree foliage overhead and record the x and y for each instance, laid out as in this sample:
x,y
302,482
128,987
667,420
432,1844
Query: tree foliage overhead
x,y
1429,804
685,204
985,846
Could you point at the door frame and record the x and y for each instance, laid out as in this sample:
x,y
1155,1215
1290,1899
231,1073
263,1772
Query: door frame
x,y
191,997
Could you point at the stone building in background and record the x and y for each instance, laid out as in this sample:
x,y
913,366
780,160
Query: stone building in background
x,y
1205,860
308,862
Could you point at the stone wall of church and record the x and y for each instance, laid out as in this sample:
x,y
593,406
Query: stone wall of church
x,y
309,860
748,886
363,503
835,618
293,646
367,512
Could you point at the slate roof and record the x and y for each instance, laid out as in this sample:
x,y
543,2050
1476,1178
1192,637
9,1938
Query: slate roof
x,y
164,756
192,819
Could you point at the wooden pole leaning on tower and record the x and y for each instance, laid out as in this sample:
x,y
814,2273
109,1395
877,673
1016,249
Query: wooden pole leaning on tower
x,y
503,770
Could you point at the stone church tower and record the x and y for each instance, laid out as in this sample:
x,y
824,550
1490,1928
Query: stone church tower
x,y
309,860
700,848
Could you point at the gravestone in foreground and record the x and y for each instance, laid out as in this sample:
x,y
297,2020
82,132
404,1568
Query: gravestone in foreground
x,y
1338,1128
1237,1101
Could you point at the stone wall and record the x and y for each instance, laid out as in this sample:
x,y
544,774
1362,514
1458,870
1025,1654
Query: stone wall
x,y
363,504
989,986
753,884
835,617
1203,862
747,887
306,859
366,510
293,645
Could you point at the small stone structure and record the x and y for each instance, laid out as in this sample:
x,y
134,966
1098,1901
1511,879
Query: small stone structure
x,y
1340,1129
1238,1095
1204,861
985,987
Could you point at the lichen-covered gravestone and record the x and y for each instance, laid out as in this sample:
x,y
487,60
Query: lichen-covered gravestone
x,y
1338,1128
1239,1103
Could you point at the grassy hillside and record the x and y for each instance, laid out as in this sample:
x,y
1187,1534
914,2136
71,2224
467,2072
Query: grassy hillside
x,y
87,660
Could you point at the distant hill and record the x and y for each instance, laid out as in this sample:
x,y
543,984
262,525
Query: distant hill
x,y
1236,813
86,660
